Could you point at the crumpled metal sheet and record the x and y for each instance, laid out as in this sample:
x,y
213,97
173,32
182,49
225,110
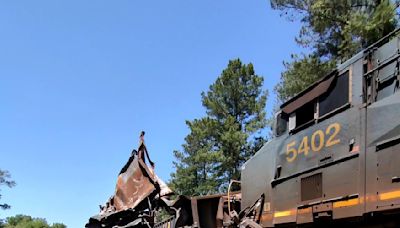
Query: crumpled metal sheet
x,y
133,186
137,193
136,182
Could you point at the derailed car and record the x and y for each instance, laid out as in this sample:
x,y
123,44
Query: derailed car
x,y
138,191
140,194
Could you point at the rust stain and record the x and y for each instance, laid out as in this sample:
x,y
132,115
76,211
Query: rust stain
x,y
132,187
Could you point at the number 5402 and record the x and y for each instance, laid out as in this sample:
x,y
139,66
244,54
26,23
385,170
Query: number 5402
x,y
292,150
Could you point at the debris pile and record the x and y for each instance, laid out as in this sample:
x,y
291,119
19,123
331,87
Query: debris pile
x,y
138,192
140,195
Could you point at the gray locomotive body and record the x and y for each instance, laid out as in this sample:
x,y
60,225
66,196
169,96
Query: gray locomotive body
x,y
336,151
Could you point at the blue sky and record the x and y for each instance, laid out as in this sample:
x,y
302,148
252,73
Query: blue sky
x,y
79,80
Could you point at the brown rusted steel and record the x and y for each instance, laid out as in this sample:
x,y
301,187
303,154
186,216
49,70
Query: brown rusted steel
x,y
133,186
138,193
135,182
211,210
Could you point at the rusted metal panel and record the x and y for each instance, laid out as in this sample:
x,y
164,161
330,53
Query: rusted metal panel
x,y
133,186
195,213
137,193
211,210
135,183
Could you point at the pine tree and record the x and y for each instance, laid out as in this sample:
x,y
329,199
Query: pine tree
x,y
5,180
334,31
300,73
196,164
221,142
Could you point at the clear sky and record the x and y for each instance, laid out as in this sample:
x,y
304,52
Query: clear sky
x,y
79,80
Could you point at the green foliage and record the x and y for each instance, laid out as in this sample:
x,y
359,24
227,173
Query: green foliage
x,y
221,142
162,215
337,29
58,225
334,30
25,221
300,73
195,166
372,27
6,181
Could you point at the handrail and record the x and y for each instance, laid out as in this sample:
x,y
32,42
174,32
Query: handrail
x,y
229,190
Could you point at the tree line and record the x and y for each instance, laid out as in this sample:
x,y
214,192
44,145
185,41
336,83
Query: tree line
x,y
235,123
24,221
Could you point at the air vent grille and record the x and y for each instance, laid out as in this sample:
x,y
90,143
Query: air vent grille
x,y
311,187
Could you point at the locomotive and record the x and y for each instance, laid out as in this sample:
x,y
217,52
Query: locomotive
x,y
335,157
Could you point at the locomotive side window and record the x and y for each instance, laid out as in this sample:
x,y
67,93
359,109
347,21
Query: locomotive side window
x,y
305,114
302,117
381,72
336,96
388,78
328,96
386,89
281,124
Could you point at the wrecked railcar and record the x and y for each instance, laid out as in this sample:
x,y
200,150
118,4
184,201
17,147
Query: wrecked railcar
x,y
139,194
